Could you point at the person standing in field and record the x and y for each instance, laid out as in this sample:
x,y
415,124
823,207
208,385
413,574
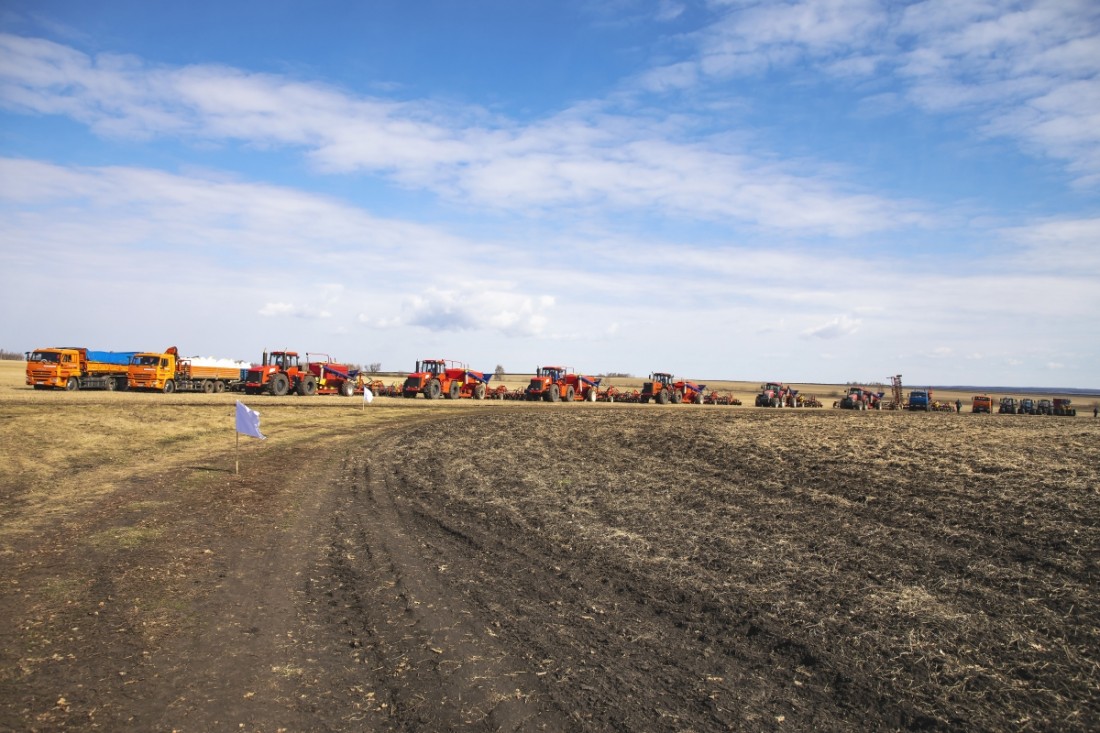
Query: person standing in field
x,y
1094,411
958,406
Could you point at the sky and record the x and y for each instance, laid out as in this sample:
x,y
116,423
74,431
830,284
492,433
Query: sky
x,y
804,191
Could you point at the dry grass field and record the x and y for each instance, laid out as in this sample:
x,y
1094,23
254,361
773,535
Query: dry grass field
x,y
513,566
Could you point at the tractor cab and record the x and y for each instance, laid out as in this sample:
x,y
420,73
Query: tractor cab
x,y
436,367
662,378
554,373
285,360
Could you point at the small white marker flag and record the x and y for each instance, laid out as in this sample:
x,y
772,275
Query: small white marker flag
x,y
248,422
368,396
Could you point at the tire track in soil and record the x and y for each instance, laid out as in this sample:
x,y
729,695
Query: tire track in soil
x,y
435,662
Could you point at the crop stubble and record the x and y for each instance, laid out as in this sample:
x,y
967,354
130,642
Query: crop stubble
x,y
707,569
581,567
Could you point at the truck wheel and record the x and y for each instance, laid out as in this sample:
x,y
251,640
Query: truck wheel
x,y
307,386
109,384
219,386
208,387
72,385
570,395
433,389
279,384
169,386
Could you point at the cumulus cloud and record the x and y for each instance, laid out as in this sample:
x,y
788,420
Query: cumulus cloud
x,y
475,306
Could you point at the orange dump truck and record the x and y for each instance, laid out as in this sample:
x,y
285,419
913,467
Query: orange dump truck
x,y
982,403
167,372
75,367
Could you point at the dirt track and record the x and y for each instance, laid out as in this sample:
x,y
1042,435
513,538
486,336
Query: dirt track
x,y
569,569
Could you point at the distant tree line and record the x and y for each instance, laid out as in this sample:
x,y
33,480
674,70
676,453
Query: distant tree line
x,y
620,375
12,355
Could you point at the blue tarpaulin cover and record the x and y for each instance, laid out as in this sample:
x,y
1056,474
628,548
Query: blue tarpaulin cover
x,y
112,357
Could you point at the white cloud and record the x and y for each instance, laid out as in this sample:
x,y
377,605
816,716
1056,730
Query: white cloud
x,y
835,328
277,309
1029,70
476,306
586,157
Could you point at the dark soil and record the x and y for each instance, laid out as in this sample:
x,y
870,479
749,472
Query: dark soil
x,y
573,569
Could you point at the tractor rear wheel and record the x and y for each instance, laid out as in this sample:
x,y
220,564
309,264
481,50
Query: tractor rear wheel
x,y
279,384
677,397
663,397
570,395
553,394
455,390
307,386
433,389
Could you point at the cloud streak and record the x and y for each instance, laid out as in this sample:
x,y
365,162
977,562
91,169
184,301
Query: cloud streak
x,y
587,157
1028,71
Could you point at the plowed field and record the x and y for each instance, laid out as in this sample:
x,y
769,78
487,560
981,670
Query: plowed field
x,y
574,568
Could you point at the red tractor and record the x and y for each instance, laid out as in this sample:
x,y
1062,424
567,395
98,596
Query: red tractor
x,y
663,388
435,378
859,398
775,394
280,373
560,384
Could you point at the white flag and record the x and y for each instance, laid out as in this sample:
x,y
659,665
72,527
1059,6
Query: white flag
x,y
248,422
368,396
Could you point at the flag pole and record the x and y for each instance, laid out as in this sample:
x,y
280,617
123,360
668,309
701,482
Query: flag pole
x,y
237,468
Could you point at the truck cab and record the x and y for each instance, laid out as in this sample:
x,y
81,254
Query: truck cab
x,y
981,403
920,399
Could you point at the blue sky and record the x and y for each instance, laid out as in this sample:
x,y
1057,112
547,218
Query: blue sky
x,y
805,191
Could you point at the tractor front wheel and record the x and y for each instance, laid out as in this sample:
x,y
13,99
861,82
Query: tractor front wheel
x,y
279,385
433,389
